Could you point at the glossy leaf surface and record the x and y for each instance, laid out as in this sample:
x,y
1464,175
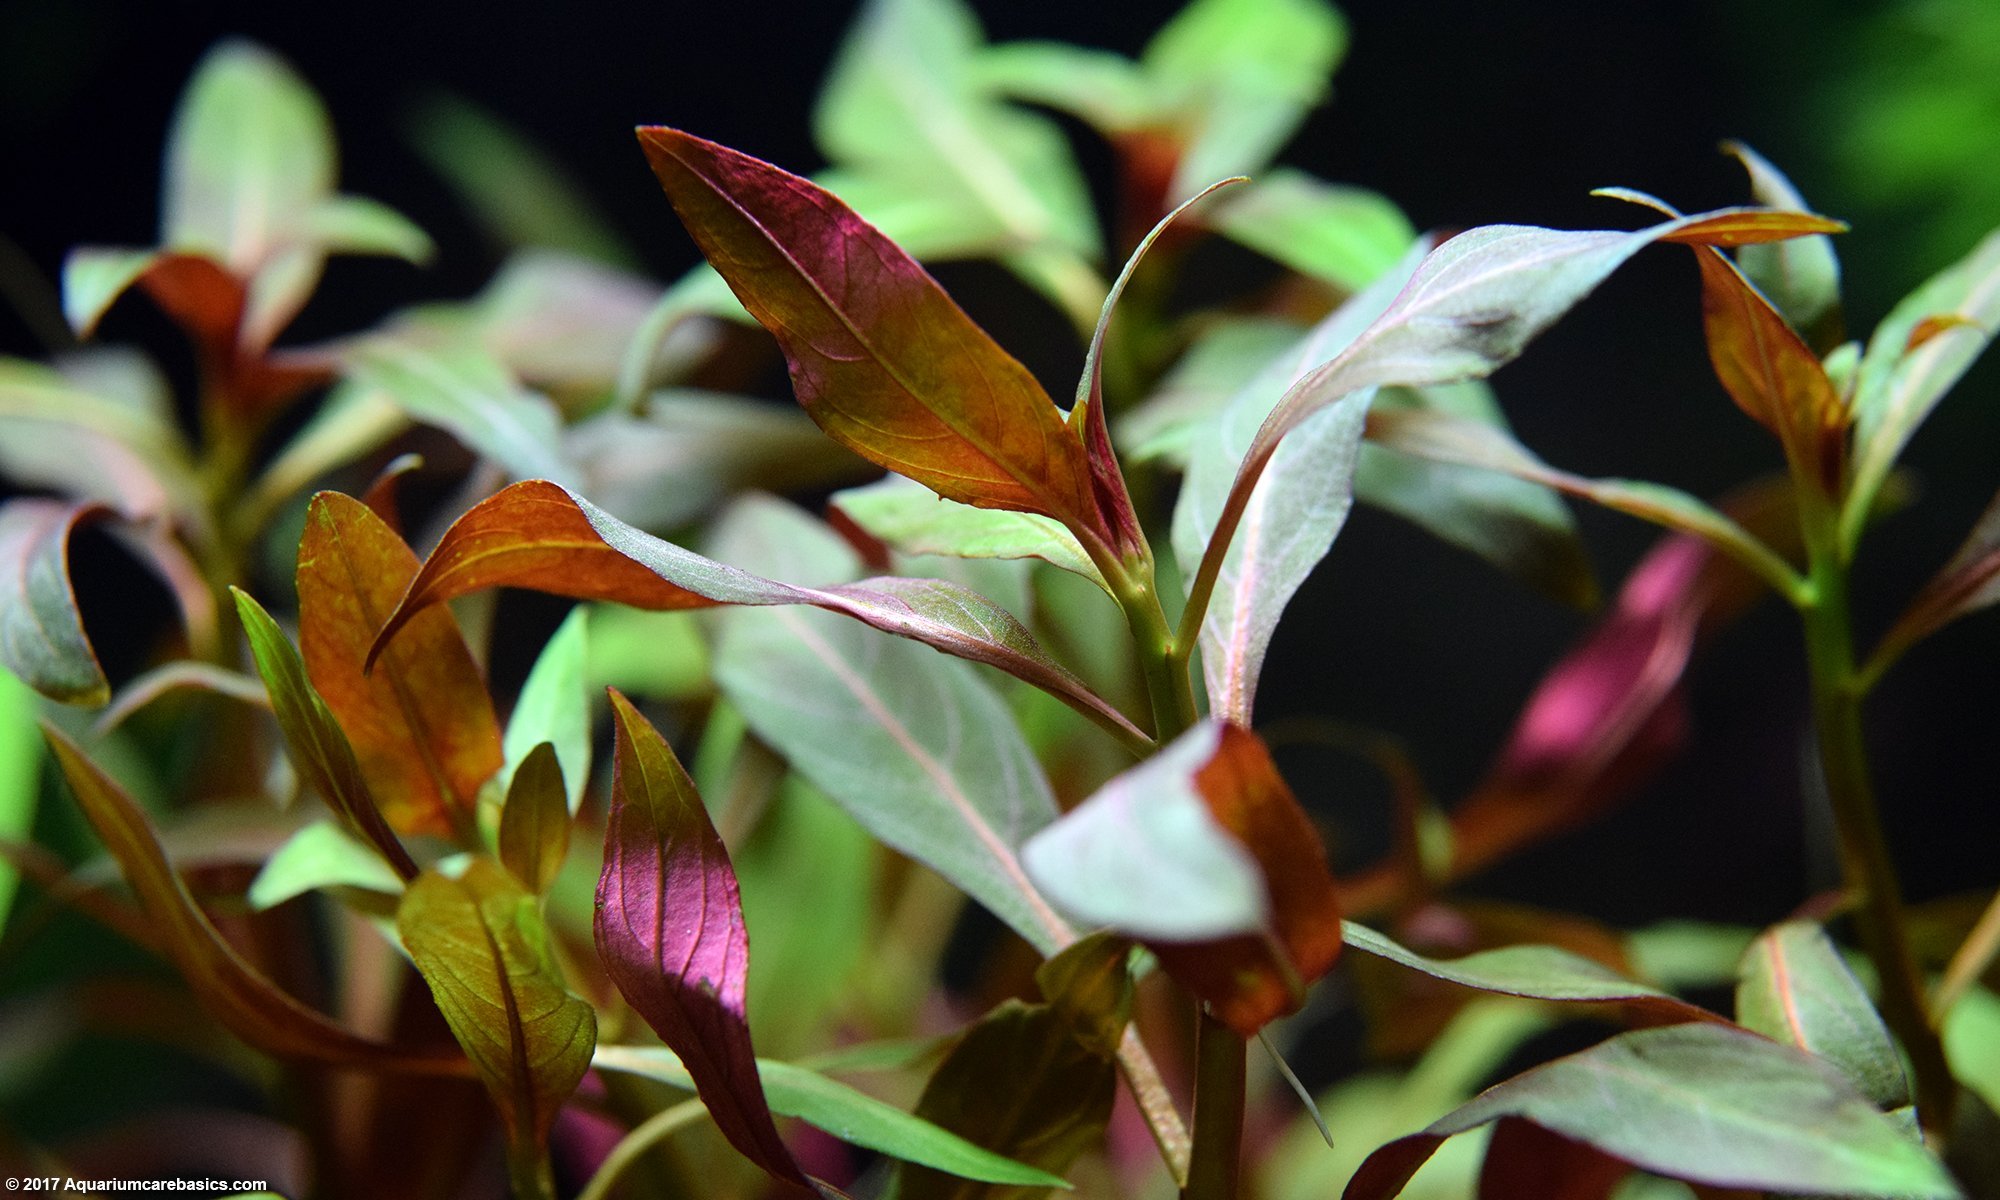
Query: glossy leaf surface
x,y
1707,1103
1925,344
1201,852
1034,1081
884,360
670,933
916,747
535,821
420,721
851,1115
479,942
319,749
1532,972
42,640
538,535
1797,989
239,996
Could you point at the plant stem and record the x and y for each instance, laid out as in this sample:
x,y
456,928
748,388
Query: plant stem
x,y
1868,871
1216,1162
528,1171
1168,685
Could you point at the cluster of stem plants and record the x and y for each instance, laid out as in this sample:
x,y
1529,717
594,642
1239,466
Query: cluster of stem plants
x,y
1005,673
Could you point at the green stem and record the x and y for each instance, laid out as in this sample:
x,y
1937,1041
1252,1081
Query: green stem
x,y
1216,1163
1168,685
528,1171
654,1130
1869,873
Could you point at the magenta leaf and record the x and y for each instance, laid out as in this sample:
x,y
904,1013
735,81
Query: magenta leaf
x,y
670,932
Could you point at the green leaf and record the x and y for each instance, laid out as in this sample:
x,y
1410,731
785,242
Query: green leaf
x,y
236,993
1801,277
1707,1103
712,445
516,191
1519,526
913,745
1145,856
1533,972
809,876
318,856
358,225
913,519
1918,352
656,654
319,749
93,277
467,393
1346,236
20,777
1238,76
1796,988
250,154
480,944
554,707
1170,422
1104,89
41,633
1293,514
535,822
903,105
1033,1081
850,1115
58,430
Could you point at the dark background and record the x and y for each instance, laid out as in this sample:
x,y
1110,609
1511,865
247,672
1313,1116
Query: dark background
x,y
1464,113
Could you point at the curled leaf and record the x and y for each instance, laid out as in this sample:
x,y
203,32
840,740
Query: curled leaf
x,y
542,536
41,632
1202,853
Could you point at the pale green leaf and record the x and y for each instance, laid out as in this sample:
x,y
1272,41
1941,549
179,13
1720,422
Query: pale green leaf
x,y
42,639
358,225
1214,368
470,395
1240,75
554,707
1800,277
850,1115
912,519
94,277
1797,989
912,744
1144,856
1702,1102
318,856
57,431
1104,89
660,655
1346,236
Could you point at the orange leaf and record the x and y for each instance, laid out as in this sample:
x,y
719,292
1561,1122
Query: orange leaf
x,y
422,724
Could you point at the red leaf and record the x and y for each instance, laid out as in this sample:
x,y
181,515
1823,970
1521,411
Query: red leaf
x,y
421,723
880,356
670,932
1246,984
1770,372
1526,1162
539,535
